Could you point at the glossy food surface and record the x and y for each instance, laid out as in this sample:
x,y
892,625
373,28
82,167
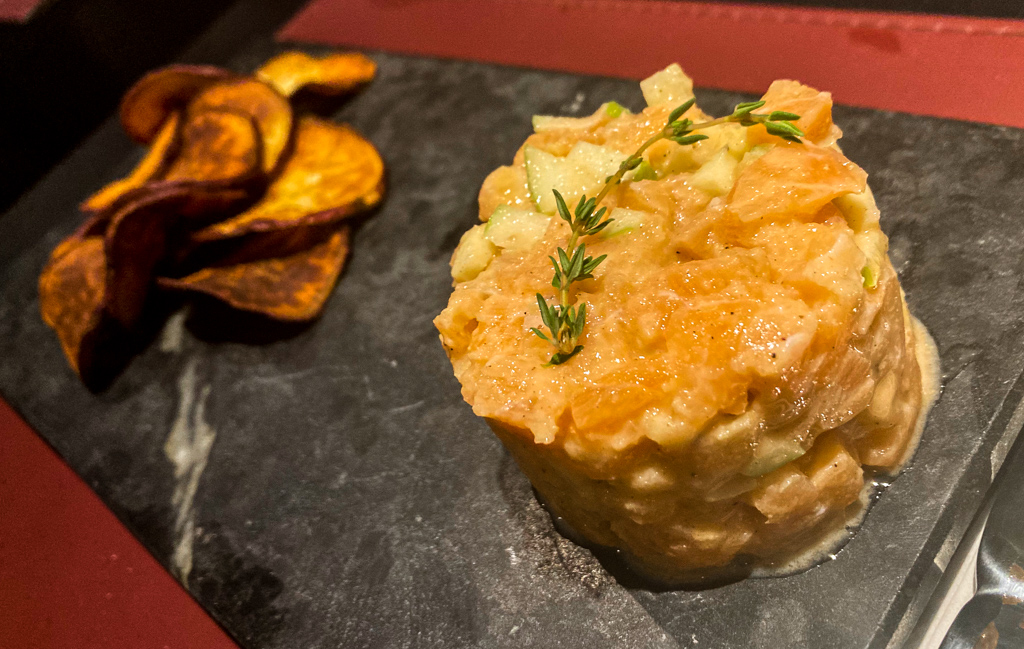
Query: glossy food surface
x,y
746,352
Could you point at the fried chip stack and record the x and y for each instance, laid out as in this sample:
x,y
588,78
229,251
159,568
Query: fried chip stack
x,y
237,198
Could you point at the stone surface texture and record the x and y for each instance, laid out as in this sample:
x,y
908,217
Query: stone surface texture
x,y
346,495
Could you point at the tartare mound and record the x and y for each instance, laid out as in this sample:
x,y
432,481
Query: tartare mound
x,y
747,350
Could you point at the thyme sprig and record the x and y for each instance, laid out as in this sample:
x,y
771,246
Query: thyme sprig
x,y
564,321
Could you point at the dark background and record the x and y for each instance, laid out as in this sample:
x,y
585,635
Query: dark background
x,y
63,71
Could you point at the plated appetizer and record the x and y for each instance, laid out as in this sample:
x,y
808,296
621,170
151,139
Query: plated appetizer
x,y
724,349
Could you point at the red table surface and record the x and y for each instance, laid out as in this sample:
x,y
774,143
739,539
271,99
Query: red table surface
x,y
17,10
72,576
963,68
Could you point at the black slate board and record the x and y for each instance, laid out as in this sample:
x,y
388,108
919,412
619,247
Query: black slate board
x,y
350,498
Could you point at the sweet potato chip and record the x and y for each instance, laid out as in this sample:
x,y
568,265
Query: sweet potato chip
x,y
293,288
151,166
71,295
271,112
93,290
135,242
147,105
333,172
217,146
198,203
219,142
334,74
217,164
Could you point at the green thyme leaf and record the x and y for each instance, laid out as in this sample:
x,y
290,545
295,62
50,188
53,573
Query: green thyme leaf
x,y
540,334
630,163
689,139
682,108
746,108
585,209
597,228
783,129
579,321
548,314
559,357
566,321
681,127
556,281
591,264
563,209
613,109
564,262
576,263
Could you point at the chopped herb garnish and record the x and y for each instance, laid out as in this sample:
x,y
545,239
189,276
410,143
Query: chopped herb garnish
x,y
564,321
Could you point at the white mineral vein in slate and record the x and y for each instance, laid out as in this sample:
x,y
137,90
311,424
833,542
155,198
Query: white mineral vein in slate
x,y
172,336
188,448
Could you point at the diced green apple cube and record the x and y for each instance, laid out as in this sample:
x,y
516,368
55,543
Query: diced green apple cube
x,y
472,255
614,109
670,86
734,137
543,123
644,172
751,156
582,171
544,172
623,221
731,488
874,245
859,209
870,276
772,453
515,229
606,112
717,175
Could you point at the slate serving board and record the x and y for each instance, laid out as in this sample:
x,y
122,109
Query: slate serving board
x,y
340,493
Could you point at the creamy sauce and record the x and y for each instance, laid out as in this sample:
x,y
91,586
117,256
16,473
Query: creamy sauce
x,y
927,353
828,545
